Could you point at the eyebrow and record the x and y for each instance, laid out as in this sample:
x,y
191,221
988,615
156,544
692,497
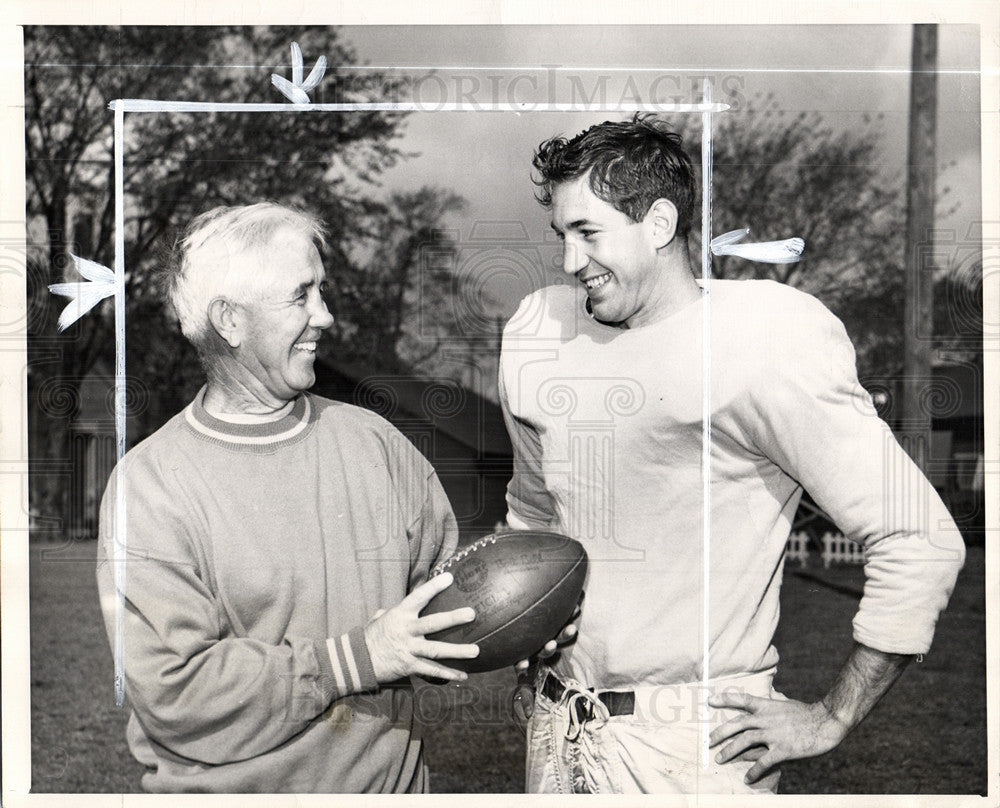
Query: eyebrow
x,y
574,225
305,286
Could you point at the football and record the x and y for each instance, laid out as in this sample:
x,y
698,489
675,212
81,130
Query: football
x,y
524,586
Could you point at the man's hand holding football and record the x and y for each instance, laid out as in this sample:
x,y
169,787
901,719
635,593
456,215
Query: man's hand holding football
x,y
397,641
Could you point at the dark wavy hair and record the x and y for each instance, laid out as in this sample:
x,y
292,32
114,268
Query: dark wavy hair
x,y
631,165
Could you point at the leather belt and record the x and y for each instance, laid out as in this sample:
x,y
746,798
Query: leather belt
x,y
618,702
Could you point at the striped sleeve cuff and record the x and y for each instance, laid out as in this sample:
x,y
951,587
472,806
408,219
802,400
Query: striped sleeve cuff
x,y
346,664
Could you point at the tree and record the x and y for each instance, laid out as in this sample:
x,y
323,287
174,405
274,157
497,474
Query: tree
x,y
398,284
958,313
176,165
786,176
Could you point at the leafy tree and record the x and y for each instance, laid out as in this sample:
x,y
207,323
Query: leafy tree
x,y
799,175
958,313
176,166
399,284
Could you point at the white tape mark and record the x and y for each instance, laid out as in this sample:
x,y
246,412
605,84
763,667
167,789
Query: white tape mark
x,y
787,251
553,69
99,283
877,71
120,543
149,105
297,90
706,402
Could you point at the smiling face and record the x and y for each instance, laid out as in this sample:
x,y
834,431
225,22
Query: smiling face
x,y
614,257
276,332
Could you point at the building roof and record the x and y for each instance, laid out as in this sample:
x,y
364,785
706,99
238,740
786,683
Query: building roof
x,y
411,401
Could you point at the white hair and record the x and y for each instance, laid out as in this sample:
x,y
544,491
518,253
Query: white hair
x,y
218,260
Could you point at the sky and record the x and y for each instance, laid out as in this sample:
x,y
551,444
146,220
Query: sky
x,y
841,71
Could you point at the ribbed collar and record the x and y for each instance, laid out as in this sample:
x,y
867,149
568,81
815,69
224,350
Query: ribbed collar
x,y
262,438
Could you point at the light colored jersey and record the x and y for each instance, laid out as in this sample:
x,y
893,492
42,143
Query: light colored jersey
x,y
607,429
256,553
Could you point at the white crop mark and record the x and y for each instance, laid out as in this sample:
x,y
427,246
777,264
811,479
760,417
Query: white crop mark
x,y
297,90
99,283
787,251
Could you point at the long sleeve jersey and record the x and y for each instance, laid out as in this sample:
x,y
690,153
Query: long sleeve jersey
x,y
608,431
254,554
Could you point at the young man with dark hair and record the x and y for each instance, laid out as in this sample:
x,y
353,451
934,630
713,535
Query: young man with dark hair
x,y
601,381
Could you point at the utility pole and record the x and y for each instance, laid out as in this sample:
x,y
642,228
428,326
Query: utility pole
x,y
919,287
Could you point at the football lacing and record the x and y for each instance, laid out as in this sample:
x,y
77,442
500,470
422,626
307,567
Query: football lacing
x,y
444,565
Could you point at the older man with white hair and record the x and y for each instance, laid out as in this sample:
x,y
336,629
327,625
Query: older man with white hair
x,y
277,545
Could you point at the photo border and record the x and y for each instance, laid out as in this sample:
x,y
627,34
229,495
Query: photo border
x,y
14,550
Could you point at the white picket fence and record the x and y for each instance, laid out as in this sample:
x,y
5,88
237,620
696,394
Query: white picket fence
x,y
836,549
798,548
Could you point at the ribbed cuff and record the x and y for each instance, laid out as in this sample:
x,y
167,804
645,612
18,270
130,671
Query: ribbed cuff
x,y
346,665
912,637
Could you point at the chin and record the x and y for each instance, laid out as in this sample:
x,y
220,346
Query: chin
x,y
300,385
606,314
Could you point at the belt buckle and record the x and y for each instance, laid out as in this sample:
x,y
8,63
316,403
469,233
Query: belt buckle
x,y
584,708
551,687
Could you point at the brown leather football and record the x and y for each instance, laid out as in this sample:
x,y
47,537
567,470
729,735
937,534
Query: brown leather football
x,y
523,585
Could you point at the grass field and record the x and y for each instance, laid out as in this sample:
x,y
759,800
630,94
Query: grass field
x,y
928,736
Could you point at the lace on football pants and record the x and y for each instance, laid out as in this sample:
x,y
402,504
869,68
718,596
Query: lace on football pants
x,y
597,709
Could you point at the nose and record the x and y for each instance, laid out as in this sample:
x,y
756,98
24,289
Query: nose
x,y
320,317
574,258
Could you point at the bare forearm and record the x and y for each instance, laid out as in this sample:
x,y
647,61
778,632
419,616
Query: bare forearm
x,y
865,677
790,729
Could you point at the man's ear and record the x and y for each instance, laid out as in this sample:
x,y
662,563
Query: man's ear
x,y
662,216
225,320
